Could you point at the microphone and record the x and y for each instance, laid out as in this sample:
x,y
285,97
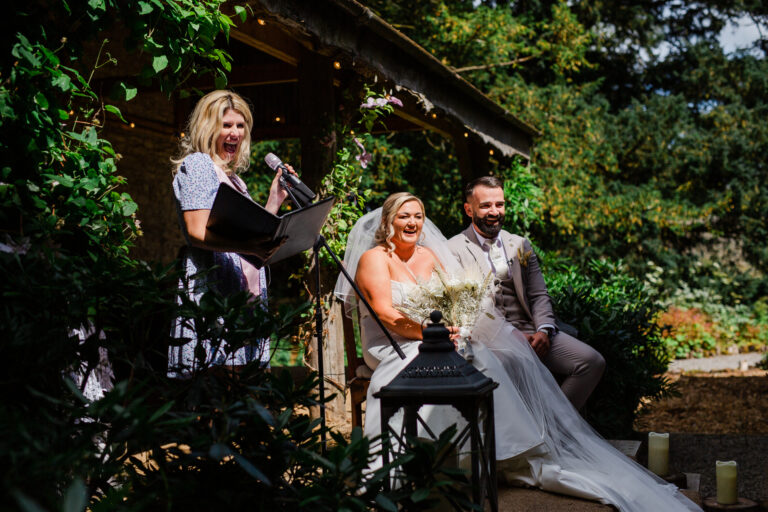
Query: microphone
x,y
302,191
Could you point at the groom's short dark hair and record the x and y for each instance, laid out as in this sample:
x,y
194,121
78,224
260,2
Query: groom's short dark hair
x,y
485,181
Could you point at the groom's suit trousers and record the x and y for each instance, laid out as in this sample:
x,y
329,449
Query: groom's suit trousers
x,y
579,364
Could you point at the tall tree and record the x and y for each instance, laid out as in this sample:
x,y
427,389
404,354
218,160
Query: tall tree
x,y
651,134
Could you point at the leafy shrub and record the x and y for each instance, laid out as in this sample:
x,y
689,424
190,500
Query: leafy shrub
x,y
710,307
614,314
218,439
687,332
696,333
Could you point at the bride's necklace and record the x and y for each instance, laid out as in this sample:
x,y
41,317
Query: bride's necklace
x,y
407,260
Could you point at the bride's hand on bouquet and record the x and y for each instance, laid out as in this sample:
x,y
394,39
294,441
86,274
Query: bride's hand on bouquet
x,y
454,334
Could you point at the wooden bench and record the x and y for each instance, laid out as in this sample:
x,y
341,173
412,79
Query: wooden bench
x,y
358,374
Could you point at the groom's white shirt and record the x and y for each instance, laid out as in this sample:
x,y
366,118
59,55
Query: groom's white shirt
x,y
531,290
495,241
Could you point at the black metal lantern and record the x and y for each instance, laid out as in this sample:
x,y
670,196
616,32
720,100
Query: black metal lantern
x,y
440,376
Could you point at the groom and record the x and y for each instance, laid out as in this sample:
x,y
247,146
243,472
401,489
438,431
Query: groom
x,y
522,295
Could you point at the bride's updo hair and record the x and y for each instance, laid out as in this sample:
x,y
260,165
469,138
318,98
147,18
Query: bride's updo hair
x,y
389,209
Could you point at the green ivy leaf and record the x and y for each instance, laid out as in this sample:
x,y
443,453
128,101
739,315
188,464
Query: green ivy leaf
x,y
63,180
116,111
129,208
144,8
240,11
98,5
220,80
125,93
159,63
41,101
63,82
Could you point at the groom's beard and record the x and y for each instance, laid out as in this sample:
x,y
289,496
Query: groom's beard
x,y
483,225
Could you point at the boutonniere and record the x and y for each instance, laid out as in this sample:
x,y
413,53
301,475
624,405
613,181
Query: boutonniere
x,y
523,256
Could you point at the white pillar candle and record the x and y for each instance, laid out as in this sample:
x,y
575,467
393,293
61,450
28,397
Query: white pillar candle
x,y
658,453
726,473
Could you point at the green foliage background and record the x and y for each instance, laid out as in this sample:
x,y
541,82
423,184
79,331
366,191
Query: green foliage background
x,y
652,136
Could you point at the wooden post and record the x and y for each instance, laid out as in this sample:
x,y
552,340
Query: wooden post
x,y
333,362
318,147
333,358
316,116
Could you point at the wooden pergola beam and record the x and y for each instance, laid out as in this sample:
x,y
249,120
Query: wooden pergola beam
x,y
269,39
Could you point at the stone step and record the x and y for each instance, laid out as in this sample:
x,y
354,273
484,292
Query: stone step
x,y
519,499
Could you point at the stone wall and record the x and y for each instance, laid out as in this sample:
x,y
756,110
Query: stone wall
x,y
146,149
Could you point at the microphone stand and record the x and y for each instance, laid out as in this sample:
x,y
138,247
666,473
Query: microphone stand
x,y
284,184
321,243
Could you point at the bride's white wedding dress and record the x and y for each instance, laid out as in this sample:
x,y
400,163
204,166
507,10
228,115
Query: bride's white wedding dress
x,y
516,433
541,440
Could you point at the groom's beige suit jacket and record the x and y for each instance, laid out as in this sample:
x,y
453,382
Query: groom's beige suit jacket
x,y
528,282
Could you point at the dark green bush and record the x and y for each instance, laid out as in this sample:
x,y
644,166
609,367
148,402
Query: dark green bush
x,y
216,440
614,314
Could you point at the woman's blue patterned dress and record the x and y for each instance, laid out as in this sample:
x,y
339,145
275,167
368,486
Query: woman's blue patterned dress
x,y
195,187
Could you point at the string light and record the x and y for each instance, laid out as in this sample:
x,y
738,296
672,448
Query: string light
x,y
490,151
261,22
277,119
466,134
132,125
183,135
336,64
434,116
351,132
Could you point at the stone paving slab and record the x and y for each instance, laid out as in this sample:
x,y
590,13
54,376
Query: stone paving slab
x,y
716,363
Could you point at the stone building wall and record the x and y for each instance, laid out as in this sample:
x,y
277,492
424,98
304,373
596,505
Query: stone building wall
x,y
146,149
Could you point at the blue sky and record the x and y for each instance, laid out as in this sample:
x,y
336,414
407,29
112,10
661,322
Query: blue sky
x,y
740,34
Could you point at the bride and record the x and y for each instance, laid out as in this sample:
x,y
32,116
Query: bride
x,y
541,440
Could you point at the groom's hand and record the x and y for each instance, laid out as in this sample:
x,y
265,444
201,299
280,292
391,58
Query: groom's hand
x,y
540,343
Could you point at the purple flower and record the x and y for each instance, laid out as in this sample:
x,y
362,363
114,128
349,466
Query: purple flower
x,y
373,102
395,101
363,157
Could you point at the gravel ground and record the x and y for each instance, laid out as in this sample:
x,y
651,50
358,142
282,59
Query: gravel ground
x,y
697,453
722,397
